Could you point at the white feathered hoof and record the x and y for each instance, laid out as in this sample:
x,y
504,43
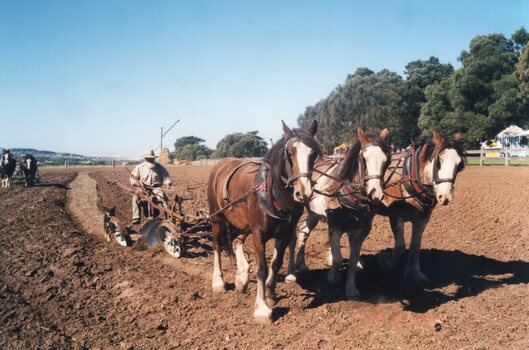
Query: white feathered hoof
x,y
262,314
291,278
218,286
241,284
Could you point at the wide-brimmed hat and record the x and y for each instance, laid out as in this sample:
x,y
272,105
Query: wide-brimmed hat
x,y
149,154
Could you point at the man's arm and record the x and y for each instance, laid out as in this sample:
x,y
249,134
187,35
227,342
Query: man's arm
x,y
135,177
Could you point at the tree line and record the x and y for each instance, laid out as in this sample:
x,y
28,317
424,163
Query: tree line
x,y
489,92
237,144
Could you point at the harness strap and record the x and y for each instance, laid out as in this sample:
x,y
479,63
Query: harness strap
x,y
225,188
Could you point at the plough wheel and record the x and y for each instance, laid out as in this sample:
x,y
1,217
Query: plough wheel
x,y
172,239
120,235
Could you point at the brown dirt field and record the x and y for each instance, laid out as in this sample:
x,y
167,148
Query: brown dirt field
x,y
62,287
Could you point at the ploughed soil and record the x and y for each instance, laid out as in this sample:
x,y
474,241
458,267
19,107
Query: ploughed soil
x,y
63,285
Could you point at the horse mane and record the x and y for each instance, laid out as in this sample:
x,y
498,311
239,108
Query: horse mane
x,y
350,162
429,146
274,159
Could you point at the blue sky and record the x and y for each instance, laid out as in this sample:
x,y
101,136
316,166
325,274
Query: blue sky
x,y
102,77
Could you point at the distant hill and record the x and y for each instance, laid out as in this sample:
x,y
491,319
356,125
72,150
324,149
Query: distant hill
x,y
55,158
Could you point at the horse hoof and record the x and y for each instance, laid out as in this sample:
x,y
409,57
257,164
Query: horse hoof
x,y
241,285
351,293
291,278
263,315
218,287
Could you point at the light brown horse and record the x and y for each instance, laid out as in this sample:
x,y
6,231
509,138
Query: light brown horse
x,y
416,182
269,199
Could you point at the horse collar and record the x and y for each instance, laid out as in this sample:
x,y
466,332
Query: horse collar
x,y
412,179
266,196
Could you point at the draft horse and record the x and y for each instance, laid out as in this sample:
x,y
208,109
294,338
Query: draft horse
x,y
347,193
416,182
265,200
7,168
28,165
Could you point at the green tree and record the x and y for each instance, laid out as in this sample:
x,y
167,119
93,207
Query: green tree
x,y
190,148
366,99
420,75
483,96
241,145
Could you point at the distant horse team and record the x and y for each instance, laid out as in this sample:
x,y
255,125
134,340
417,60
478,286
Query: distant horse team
x,y
25,164
266,200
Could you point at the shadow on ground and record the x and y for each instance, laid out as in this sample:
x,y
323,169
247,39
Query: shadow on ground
x,y
466,274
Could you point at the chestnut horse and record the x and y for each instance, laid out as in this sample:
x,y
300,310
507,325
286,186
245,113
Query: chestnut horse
x,y
347,193
421,178
268,199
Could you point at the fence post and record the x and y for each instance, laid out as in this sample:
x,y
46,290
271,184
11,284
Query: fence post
x,y
507,160
481,155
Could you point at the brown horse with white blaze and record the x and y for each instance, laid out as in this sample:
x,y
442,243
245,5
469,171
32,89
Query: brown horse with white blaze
x,y
347,194
265,200
416,182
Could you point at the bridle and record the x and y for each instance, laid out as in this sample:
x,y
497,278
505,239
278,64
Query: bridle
x,y
437,165
357,188
287,159
362,163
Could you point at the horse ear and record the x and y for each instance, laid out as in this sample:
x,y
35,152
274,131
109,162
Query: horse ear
x,y
437,139
384,135
287,133
313,127
458,137
362,136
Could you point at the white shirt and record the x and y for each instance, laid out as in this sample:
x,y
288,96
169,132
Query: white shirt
x,y
150,176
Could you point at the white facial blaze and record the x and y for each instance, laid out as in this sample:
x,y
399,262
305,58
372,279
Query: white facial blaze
x,y
303,153
374,158
28,163
448,163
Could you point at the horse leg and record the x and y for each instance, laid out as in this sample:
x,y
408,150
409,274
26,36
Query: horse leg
x,y
296,262
334,238
356,238
241,278
262,313
413,270
275,264
217,281
399,250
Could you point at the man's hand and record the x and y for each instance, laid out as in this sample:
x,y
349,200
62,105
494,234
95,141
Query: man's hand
x,y
138,183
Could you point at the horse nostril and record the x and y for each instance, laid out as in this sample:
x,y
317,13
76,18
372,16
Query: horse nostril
x,y
298,194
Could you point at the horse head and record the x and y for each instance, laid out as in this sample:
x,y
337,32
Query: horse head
x,y
446,161
300,151
6,155
375,156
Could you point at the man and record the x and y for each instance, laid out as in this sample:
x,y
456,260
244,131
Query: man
x,y
149,175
